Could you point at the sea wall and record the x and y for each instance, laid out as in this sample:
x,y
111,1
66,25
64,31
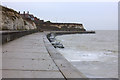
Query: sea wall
x,y
65,67
56,33
11,35
11,20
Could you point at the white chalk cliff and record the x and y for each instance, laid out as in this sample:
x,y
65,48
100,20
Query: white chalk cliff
x,y
11,20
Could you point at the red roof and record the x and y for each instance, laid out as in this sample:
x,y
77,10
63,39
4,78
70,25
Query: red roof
x,y
30,16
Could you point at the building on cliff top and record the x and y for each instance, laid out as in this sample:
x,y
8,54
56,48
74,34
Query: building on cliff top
x,y
29,16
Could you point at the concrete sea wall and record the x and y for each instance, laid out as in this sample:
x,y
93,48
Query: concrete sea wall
x,y
65,67
11,35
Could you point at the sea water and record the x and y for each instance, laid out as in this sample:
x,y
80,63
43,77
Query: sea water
x,y
95,55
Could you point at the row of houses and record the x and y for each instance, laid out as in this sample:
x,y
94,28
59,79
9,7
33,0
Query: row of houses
x,y
26,15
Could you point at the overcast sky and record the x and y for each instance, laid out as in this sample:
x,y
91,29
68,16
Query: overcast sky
x,y
93,15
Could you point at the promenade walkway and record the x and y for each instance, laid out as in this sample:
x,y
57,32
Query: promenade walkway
x,y
27,57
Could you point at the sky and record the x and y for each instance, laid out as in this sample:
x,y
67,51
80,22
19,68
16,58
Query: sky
x,y
93,15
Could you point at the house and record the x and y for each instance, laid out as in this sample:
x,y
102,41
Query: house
x,y
29,16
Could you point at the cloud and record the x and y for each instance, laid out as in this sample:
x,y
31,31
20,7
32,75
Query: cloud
x,y
59,0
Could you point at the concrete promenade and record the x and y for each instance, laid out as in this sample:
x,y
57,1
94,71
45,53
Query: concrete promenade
x,y
27,57
33,56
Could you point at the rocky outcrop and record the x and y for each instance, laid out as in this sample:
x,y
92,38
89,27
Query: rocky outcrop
x,y
11,20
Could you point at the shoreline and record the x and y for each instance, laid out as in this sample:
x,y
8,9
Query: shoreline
x,y
65,67
83,51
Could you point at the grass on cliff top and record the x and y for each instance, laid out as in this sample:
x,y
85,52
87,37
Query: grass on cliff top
x,y
7,9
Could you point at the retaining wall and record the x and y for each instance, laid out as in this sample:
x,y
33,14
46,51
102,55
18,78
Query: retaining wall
x,y
11,35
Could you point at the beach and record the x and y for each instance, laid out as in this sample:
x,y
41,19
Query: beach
x,y
95,55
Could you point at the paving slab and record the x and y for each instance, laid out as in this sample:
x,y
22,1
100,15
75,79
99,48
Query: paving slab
x,y
27,57
31,74
28,64
25,50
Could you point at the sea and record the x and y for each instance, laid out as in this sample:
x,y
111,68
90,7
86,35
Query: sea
x,y
95,55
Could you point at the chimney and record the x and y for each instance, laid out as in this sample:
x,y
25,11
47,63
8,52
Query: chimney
x,y
19,12
27,12
24,13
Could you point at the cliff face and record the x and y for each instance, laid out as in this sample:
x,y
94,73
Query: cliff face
x,y
11,20
62,27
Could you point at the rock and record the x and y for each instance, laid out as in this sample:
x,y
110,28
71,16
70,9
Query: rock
x,y
11,20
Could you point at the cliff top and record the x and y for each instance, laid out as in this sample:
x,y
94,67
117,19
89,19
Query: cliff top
x,y
7,9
